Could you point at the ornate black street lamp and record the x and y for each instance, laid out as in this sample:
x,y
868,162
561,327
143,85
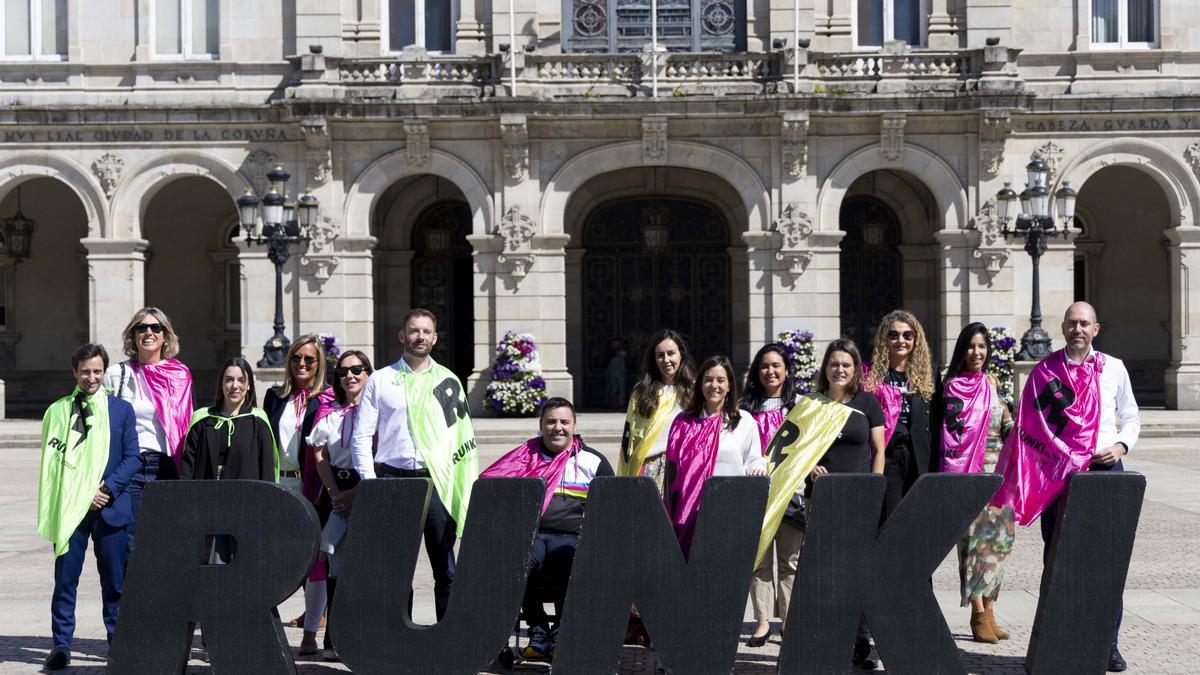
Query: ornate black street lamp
x,y
284,223
16,232
1036,224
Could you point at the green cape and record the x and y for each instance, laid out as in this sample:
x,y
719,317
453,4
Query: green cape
x,y
71,469
440,423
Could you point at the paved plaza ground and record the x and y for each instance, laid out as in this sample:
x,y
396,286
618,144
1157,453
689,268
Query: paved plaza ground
x,y
1160,634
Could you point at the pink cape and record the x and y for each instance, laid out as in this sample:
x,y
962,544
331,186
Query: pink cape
x,y
1055,435
967,412
768,422
890,400
692,447
311,485
169,385
525,461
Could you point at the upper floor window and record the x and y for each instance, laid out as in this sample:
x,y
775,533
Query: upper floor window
x,y
1124,23
879,21
34,29
186,28
426,23
683,25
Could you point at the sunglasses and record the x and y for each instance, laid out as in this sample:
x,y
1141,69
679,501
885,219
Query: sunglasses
x,y
308,360
896,335
346,370
139,328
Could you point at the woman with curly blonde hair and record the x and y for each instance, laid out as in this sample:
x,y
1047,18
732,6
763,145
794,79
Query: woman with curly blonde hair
x,y
902,377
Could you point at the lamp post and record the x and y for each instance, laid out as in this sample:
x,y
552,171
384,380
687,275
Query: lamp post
x,y
1035,223
285,222
17,232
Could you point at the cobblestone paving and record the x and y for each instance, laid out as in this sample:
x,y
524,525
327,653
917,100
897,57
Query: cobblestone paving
x,y
1159,634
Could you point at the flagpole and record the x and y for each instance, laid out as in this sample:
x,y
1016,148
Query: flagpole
x,y
512,48
654,48
795,46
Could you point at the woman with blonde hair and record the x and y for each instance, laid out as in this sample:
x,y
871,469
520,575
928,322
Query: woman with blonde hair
x,y
292,409
160,389
902,377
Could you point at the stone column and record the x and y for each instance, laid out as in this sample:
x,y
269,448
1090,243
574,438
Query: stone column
x,y
1182,378
468,32
839,37
956,289
485,281
116,270
940,33
258,298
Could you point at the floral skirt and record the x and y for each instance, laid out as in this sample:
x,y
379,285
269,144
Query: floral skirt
x,y
656,468
981,553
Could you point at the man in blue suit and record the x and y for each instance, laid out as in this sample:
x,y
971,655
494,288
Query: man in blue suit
x,y
89,454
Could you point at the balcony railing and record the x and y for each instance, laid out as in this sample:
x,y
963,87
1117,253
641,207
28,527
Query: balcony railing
x,y
417,74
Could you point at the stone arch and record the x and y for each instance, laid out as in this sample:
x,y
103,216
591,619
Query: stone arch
x,y
937,175
21,167
138,188
626,155
386,170
1177,183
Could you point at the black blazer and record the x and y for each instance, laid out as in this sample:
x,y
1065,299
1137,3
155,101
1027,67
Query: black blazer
x,y
273,405
924,428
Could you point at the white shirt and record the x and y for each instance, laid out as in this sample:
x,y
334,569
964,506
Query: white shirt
x,y
740,449
328,432
289,438
152,437
384,408
1119,418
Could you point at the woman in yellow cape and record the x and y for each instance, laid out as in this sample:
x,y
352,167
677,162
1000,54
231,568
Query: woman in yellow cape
x,y
663,392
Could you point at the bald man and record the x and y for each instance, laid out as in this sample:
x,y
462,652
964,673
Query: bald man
x,y
1119,421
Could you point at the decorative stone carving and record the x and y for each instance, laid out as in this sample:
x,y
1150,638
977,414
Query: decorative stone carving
x,y
993,133
654,140
256,166
516,231
991,249
1052,155
891,135
416,143
795,143
108,168
515,134
795,226
1192,155
319,260
318,152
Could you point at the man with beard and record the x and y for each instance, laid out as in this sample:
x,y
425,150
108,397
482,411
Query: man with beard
x,y
419,409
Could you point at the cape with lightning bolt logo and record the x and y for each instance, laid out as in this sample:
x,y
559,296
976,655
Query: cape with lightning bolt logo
x,y
806,433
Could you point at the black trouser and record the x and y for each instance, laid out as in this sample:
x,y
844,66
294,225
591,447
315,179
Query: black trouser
x,y
901,471
549,570
1049,521
440,534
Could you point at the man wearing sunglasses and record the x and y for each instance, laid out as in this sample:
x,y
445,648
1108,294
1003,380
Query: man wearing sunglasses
x,y
418,409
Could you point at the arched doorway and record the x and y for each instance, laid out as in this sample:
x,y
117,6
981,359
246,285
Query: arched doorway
x,y
1126,273
424,260
189,269
43,299
631,290
869,264
441,280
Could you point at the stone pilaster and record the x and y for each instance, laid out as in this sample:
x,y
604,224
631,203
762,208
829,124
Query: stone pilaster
x,y
1182,378
116,270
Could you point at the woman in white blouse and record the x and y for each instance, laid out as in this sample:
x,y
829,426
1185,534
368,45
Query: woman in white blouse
x,y
332,440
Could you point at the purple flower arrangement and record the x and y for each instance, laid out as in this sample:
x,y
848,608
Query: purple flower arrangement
x,y
1000,363
802,360
517,387
332,352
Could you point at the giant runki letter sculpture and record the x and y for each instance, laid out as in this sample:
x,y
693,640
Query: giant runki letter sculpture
x,y
627,555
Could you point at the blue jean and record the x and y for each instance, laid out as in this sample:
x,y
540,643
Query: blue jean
x,y
111,551
155,465
1049,521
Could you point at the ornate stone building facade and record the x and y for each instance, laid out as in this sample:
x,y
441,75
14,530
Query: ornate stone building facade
x,y
775,165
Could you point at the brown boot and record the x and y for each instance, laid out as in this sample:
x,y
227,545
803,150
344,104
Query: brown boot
x,y
1000,633
981,628
308,646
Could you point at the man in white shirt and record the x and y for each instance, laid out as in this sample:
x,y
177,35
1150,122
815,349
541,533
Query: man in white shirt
x,y
1119,422
383,413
